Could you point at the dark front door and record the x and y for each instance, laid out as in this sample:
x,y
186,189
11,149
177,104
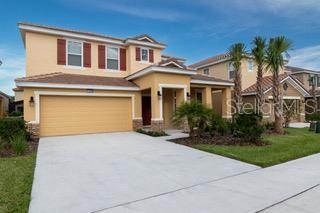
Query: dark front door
x,y
146,110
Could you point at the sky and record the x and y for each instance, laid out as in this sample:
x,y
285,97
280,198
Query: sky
x,y
192,29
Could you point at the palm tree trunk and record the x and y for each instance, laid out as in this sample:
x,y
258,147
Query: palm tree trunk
x,y
237,91
277,105
260,95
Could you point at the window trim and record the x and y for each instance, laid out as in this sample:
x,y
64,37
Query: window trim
x,y
148,59
67,54
106,59
250,60
230,64
208,71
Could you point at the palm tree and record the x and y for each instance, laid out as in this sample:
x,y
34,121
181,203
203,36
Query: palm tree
x,y
196,115
237,52
259,53
277,47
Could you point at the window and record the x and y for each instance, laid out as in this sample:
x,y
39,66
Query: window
x,y
312,80
206,71
144,54
112,58
231,71
250,65
318,83
74,53
199,96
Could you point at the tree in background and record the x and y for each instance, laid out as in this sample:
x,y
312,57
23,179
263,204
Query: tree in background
x,y
237,53
259,53
276,49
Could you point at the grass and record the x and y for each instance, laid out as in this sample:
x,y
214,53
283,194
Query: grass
x,y
16,175
295,144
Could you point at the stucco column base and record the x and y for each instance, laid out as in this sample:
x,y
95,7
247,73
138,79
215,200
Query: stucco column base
x,y
34,130
157,125
137,124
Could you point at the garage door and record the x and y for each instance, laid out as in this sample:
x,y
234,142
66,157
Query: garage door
x,y
68,115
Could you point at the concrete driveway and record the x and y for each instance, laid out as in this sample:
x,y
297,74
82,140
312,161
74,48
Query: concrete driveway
x,y
91,173
130,172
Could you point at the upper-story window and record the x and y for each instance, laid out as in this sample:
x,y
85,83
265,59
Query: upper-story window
x,y
206,71
74,53
250,65
144,54
231,71
318,83
113,58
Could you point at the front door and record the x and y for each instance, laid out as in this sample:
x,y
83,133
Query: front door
x,y
146,110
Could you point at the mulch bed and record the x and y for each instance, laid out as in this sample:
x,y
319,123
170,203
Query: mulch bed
x,y
32,148
226,140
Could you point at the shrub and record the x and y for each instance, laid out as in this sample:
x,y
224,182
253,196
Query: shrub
x,y
18,142
11,126
2,144
196,114
247,127
15,114
269,126
152,133
218,125
313,117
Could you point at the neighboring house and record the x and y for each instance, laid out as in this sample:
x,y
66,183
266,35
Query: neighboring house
x,y
18,100
79,82
4,104
292,88
307,78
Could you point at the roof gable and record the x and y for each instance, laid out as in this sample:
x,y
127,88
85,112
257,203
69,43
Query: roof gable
x,y
267,85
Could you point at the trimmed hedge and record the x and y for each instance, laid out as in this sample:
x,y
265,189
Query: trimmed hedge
x,y
11,126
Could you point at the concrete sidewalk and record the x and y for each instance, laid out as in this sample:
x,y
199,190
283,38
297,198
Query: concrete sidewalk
x,y
260,190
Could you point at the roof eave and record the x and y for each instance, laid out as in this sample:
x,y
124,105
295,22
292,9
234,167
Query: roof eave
x,y
153,69
35,84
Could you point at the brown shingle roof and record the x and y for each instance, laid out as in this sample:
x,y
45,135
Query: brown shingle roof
x,y
210,60
297,69
66,78
209,78
172,60
267,83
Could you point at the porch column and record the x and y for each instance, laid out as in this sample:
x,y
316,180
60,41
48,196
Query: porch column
x,y
156,110
226,103
207,97
302,111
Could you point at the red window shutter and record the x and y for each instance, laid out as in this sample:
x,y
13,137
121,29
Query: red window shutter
x,y
86,54
151,56
101,57
123,59
61,51
138,54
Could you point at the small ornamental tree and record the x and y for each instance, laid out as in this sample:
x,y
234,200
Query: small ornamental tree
x,y
195,113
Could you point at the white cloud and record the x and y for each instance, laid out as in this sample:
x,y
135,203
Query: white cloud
x,y
308,57
12,67
137,8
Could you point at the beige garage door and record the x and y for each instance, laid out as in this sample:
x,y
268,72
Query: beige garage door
x,y
68,115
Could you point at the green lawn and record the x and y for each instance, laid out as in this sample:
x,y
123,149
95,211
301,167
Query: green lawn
x,y
296,144
16,175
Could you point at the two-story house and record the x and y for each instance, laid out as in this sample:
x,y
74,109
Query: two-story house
x,y
220,66
308,78
81,82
